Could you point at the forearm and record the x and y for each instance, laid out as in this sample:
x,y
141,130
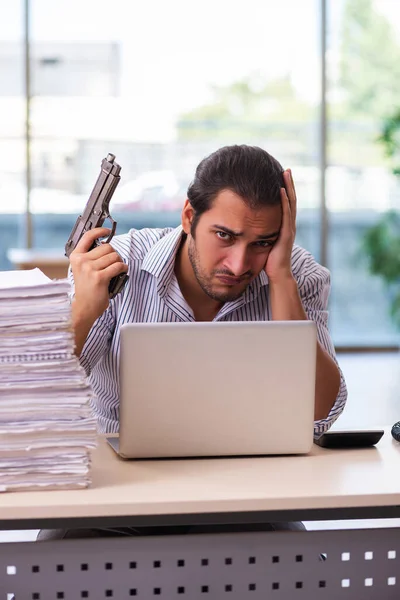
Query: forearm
x,y
286,305
81,324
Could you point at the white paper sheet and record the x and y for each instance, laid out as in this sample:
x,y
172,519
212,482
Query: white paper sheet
x,y
22,278
47,429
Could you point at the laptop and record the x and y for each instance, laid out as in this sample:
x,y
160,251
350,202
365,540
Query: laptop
x,y
208,389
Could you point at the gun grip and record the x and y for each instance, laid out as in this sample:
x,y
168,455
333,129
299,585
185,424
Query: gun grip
x,y
117,284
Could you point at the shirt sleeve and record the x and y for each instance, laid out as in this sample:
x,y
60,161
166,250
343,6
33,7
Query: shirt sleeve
x,y
99,337
314,288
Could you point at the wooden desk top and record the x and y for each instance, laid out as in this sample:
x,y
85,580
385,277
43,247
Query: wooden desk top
x,y
24,256
323,479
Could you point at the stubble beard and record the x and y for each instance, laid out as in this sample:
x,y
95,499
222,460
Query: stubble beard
x,y
204,281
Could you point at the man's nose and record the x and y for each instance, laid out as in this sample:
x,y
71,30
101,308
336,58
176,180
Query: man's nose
x,y
237,261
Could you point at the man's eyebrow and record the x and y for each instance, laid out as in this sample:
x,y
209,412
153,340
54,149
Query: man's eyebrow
x,y
264,236
268,236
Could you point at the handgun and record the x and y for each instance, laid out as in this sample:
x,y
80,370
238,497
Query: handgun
x,y
96,212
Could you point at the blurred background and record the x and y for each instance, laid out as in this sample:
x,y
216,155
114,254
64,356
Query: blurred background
x,y
162,84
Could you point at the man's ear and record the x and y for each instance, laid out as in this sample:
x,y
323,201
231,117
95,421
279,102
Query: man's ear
x,y
187,216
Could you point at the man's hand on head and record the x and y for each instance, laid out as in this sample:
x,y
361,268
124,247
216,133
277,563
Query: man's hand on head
x,y
279,263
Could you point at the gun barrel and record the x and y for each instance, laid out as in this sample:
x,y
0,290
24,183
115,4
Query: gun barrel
x,y
97,207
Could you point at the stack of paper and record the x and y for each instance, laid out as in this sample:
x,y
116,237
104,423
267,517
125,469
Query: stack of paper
x,y
46,426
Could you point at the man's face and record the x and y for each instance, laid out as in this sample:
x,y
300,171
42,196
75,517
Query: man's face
x,y
231,244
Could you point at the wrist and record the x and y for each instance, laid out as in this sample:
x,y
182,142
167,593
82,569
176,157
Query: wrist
x,y
283,280
285,300
82,316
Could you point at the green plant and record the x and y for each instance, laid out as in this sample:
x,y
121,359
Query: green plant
x,y
390,140
381,242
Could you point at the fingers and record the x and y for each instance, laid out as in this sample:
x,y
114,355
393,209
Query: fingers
x,y
103,276
92,272
88,238
98,259
115,269
291,192
100,251
286,228
105,261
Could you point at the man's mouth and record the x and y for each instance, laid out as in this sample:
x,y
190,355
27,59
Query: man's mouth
x,y
226,280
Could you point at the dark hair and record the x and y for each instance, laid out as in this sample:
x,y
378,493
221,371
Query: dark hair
x,y
249,171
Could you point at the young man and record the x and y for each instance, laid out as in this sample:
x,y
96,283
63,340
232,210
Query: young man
x,y
232,259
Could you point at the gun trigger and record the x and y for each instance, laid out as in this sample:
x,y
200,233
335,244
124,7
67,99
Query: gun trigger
x,y
113,229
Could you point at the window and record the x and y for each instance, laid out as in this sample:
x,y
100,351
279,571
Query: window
x,y
364,88
161,89
12,130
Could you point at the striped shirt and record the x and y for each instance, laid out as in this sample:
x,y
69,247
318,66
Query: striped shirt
x,y
152,294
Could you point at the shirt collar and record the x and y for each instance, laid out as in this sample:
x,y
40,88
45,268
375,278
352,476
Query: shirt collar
x,y
259,282
160,262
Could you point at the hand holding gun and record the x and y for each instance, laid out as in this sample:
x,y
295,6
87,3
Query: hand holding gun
x,y
94,215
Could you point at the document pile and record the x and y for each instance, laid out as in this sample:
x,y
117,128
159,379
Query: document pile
x,y
46,427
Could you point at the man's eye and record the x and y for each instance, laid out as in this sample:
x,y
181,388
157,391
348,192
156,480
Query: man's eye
x,y
264,244
222,235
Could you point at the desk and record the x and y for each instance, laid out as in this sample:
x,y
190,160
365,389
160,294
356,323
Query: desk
x,y
327,484
52,262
